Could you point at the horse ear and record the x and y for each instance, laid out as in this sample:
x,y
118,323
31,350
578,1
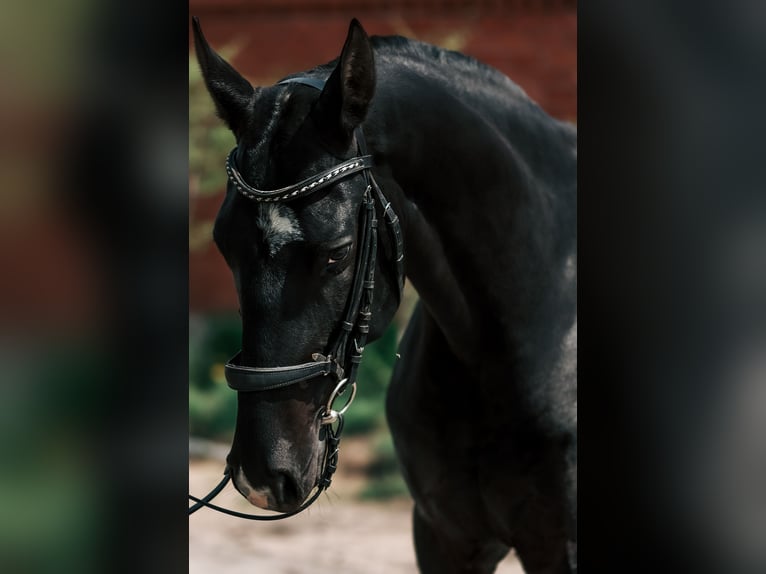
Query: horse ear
x,y
231,93
349,89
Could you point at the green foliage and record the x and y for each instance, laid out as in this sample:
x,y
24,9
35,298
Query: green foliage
x,y
212,405
212,413
209,138
385,478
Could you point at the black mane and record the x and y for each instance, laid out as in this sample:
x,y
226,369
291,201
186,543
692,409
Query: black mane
x,y
451,67
494,94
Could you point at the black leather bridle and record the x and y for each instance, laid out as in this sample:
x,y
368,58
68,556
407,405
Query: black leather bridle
x,y
344,355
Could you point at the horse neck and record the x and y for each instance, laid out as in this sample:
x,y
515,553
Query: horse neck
x,y
485,237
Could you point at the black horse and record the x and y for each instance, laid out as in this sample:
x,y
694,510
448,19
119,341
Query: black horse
x,y
482,405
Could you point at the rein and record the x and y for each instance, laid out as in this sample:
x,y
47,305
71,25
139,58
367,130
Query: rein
x,y
344,356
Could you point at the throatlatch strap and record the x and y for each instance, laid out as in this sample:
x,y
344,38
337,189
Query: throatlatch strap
x,y
392,220
395,230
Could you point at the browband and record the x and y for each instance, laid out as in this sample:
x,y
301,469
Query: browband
x,y
308,185
305,187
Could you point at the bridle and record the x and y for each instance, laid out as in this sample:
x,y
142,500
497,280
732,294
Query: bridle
x,y
341,362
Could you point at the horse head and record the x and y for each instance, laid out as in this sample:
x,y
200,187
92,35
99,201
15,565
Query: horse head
x,y
295,258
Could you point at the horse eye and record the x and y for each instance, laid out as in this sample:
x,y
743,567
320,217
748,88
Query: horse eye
x,y
339,254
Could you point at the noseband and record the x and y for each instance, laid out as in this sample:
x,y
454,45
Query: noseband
x,y
343,357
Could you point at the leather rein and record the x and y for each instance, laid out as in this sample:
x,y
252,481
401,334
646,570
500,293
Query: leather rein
x,y
341,362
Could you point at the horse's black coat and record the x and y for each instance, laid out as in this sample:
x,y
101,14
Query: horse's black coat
x,y
482,405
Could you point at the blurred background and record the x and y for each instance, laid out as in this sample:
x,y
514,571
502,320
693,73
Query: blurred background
x,y
93,288
534,43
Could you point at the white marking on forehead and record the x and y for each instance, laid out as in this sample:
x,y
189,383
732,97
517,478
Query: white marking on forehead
x,y
279,226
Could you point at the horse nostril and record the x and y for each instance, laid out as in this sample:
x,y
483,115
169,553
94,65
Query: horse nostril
x,y
286,490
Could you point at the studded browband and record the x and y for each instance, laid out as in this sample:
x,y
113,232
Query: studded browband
x,y
305,187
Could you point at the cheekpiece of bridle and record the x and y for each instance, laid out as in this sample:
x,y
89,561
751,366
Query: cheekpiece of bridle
x,y
343,357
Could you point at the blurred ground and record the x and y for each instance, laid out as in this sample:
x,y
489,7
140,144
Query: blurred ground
x,y
339,534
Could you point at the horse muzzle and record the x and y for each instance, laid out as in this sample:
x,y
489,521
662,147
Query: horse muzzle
x,y
283,494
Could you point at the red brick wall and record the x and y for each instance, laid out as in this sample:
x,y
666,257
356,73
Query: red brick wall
x,y
534,42
535,46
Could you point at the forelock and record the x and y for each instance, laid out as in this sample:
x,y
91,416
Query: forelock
x,y
278,112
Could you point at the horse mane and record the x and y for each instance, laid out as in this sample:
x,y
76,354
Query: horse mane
x,y
449,64
480,83
432,61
